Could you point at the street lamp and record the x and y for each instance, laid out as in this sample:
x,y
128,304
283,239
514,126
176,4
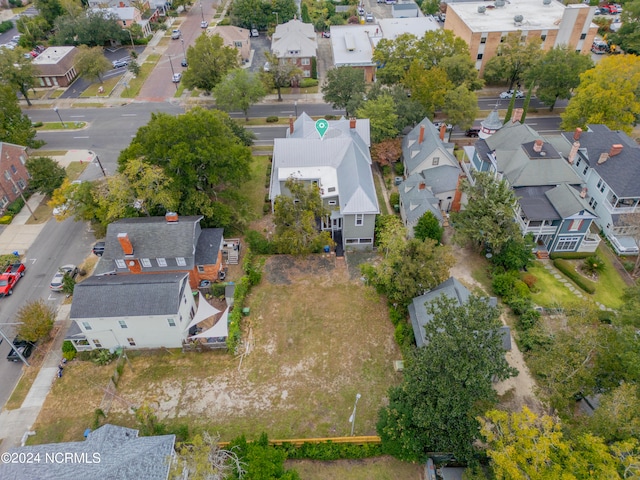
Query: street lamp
x,y
276,14
173,72
184,54
130,36
295,104
55,109
352,418
201,11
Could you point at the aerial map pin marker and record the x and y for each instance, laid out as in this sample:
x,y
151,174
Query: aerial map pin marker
x,y
322,126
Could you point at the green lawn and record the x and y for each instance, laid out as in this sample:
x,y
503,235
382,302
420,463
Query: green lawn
x,y
135,84
107,85
610,285
550,292
255,187
62,126
384,208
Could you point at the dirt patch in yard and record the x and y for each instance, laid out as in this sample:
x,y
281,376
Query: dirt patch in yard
x,y
381,468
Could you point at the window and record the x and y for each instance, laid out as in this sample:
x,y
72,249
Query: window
x,y
7,175
123,324
4,201
366,240
583,36
479,57
599,183
97,343
145,262
331,189
566,244
181,261
435,161
14,169
602,188
578,162
124,23
575,225
131,341
350,241
332,202
171,321
593,202
586,169
543,37
483,40
120,263
162,262
200,268
23,159
237,44
86,325
359,219
306,73
22,184
305,61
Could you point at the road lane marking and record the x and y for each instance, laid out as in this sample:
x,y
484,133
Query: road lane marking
x,y
76,116
33,260
80,137
129,115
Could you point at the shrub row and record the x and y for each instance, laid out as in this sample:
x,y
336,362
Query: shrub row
x,y
567,268
6,219
14,207
331,451
308,82
569,255
272,119
6,26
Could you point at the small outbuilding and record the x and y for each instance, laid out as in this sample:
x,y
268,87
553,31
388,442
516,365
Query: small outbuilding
x,y
55,66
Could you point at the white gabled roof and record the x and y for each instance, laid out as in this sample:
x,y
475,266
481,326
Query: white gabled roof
x,y
294,36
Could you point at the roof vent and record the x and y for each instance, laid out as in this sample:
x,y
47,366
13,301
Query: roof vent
x,y
518,19
482,9
499,3
546,2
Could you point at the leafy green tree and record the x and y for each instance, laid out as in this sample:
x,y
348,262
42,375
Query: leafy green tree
x,y
382,117
33,30
607,94
91,63
46,174
206,162
68,283
428,226
238,91
394,57
209,62
342,85
50,10
295,216
17,71
515,254
202,459
245,136
513,59
437,45
447,382
134,67
488,217
15,127
628,37
461,70
261,461
93,28
249,13
558,73
280,75
617,418
523,445
36,320
410,268
427,87
461,107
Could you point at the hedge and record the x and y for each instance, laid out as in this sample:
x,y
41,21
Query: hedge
x,y
570,255
569,270
331,451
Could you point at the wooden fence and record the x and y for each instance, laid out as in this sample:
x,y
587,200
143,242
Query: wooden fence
x,y
300,441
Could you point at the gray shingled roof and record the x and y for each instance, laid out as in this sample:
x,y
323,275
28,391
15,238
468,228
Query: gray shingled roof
x,y
416,202
535,205
414,153
152,238
492,122
110,452
128,295
208,246
620,172
567,201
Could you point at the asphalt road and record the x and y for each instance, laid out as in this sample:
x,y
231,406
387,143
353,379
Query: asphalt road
x,y
58,244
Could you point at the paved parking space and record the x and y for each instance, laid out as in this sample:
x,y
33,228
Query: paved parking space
x,y
259,45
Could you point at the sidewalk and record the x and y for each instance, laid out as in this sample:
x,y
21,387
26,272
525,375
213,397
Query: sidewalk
x,y
18,236
15,425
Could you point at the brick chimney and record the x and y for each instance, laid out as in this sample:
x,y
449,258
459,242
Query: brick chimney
x,y
603,158
421,135
352,123
443,130
537,146
577,133
574,151
171,217
583,192
290,124
422,186
517,115
615,149
125,243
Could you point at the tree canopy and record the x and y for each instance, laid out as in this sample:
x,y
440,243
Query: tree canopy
x,y
428,226
280,74
46,174
91,27
447,382
36,320
260,14
607,94
628,36
488,217
15,127
513,59
17,71
382,117
91,63
342,85
209,62
238,91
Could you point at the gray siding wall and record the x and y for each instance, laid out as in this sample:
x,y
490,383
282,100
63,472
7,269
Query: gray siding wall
x,y
350,230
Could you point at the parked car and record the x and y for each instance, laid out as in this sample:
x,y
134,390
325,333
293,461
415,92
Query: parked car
x,y
439,124
57,282
326,34
184,63
176,34
472,132
98,249
204,24
10,278
123,62
176,77
254,32
369,17
510,93
25,348
267,66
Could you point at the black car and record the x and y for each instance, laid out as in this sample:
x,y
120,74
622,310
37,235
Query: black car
x,y
184,63
98,248
472,132
25,348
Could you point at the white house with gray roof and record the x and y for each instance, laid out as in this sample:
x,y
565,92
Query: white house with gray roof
x,y
110,452
608,164
295,42
132,311
552,204
340,164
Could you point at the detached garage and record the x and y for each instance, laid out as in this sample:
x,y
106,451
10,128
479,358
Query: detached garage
x,y
55,66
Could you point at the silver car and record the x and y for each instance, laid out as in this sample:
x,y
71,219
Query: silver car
x,y
57,282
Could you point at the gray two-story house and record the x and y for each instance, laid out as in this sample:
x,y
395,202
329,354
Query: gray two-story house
x,y
339,163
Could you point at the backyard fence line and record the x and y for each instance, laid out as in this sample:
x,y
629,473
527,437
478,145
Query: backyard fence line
x,y
361,440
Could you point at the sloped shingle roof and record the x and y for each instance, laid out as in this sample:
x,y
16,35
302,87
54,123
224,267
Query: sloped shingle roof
x,y
415,153
415,201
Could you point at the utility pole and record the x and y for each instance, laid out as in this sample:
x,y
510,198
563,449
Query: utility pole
x,y
8,176
100,165
24,360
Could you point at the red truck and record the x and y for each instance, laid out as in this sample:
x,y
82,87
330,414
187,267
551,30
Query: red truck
x,y
10,277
